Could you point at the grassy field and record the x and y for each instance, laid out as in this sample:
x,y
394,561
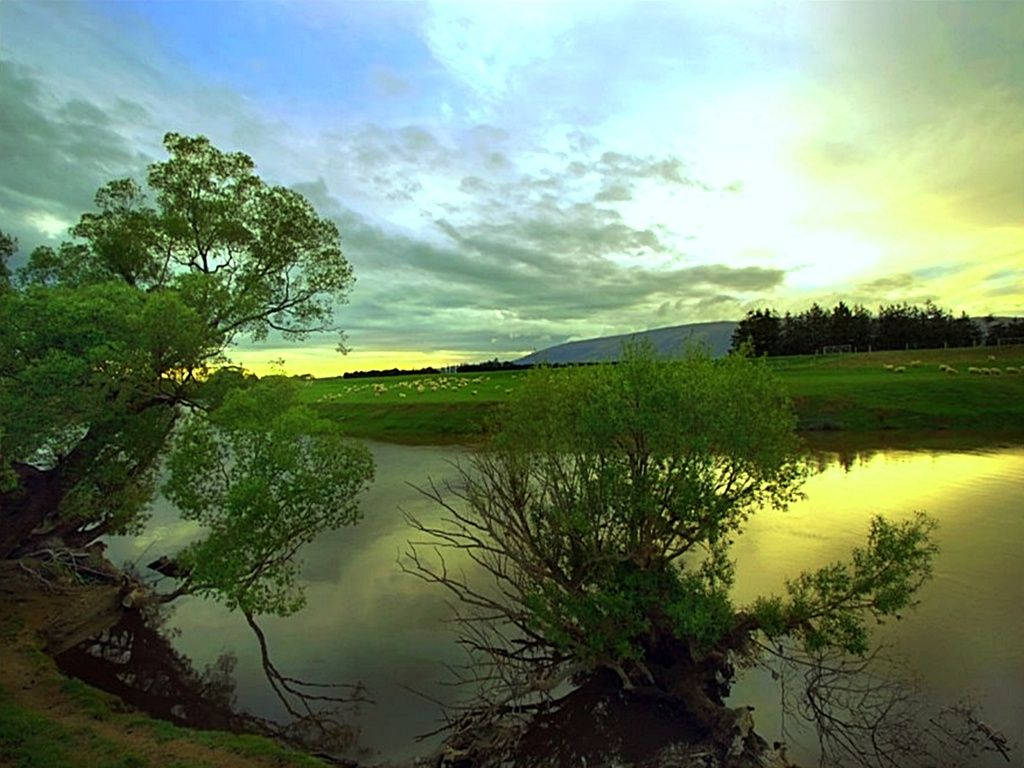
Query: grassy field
x,y
855,395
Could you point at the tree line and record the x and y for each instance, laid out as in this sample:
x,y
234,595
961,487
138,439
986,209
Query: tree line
x,y
484,367
487,366
895,326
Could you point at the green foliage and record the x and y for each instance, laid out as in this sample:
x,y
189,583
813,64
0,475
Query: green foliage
x,y
81,369
659,456
828,607
613,492
605,508
113,346
700,611
637,473
8,247
264,476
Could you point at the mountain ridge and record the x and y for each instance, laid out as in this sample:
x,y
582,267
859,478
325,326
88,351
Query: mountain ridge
x,y
666,341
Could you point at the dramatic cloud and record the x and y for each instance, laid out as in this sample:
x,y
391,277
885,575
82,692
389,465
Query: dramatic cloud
x,y
55,155
509,177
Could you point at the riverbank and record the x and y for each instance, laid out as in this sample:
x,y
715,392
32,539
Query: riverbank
x,y
853,399
48,720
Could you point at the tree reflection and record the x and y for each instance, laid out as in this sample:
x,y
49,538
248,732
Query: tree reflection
x,y
136,661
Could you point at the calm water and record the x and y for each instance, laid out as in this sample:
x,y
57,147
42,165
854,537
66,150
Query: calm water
x,y
365,620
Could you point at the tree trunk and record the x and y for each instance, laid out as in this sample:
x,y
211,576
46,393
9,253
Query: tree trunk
x,y
29,513
699,681
24,509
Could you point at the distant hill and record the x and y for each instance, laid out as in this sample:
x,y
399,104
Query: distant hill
x,y
666,341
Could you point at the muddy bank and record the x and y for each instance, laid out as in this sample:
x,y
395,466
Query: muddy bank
x,y
48,720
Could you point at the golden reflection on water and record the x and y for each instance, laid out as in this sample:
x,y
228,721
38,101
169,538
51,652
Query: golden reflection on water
x,y
966,492
367,620
963,638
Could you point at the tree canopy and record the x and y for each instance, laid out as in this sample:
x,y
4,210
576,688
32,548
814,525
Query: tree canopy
x,y
896,326
602,516
114,349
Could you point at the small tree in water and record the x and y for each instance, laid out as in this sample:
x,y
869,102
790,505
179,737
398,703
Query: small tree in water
x,y
602,515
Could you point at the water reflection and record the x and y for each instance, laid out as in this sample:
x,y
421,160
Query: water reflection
x,y
367,621
962,639
134,661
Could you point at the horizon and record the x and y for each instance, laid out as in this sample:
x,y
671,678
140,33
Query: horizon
x,y
507,178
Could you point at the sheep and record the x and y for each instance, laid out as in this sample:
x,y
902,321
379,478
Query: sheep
x,y
996,371
900,369
1012,369
951,369
973,369
992,358
401,394
943,368
888,367
914,363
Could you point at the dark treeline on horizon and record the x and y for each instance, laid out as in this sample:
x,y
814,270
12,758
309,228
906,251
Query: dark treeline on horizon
x,y
895,326
488,365
485,367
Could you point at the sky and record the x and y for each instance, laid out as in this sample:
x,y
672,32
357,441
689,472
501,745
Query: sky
x,y
507,177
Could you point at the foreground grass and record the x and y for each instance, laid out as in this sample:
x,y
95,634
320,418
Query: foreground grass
x,y
76,731
851,394
50,721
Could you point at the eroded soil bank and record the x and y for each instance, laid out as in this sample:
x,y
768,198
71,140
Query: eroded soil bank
x,y
48,720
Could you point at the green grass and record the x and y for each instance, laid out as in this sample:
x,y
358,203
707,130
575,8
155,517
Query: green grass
x,y
98,704
856,393
437,409
32,740
438,389
245,744
852,394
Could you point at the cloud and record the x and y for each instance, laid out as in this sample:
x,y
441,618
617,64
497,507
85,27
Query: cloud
x,y
614,193
898,282
48,225
467,238
56,154
924,100
389,84
525,174
526,284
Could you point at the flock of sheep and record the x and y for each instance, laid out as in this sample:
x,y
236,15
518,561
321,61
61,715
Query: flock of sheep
x,y
988,371
405,387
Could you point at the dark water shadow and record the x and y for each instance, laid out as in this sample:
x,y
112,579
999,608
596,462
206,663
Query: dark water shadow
x,y
136,661
598,724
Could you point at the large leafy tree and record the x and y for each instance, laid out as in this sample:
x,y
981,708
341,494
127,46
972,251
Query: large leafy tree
x,y
8,247
113,347
601,520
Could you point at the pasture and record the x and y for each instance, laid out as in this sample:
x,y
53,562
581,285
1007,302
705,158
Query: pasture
x,y
858,394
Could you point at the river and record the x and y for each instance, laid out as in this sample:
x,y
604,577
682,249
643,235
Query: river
x,y
365,620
